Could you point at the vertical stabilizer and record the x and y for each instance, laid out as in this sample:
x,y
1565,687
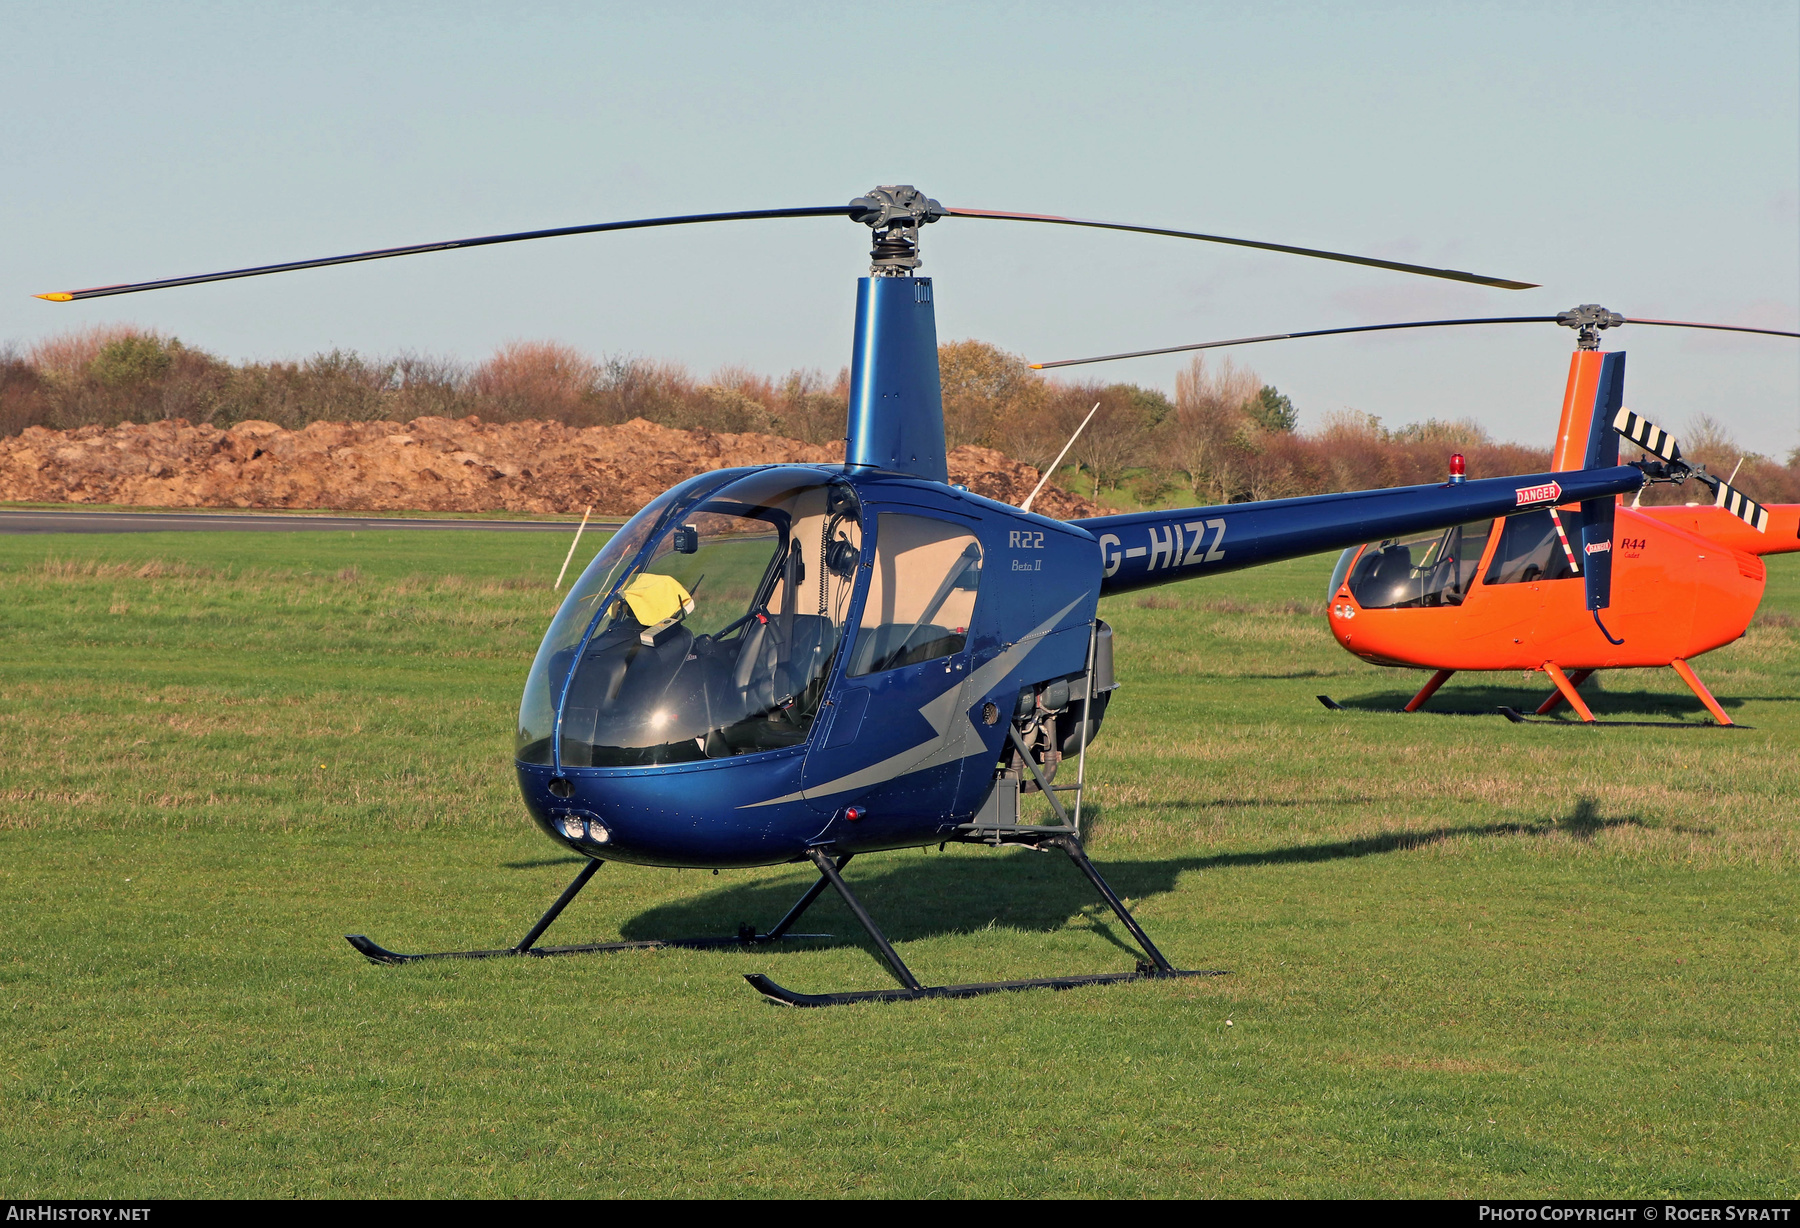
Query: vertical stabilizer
x,y
896,404
1577,410
1601,451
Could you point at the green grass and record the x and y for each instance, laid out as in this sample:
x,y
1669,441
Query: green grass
x,y
1467,957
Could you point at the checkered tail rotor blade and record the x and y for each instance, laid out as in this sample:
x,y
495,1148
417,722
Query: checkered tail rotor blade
x,y
1742,506
1648,436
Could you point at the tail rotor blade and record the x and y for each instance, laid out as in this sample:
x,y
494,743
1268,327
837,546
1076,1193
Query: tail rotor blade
x,y
1647,435
1654,439
1742,506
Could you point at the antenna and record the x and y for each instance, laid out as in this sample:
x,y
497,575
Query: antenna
x,y
572,545
1042,481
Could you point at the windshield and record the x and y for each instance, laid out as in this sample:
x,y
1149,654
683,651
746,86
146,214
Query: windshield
x,y
718,639
1341,571
1431,569
537,711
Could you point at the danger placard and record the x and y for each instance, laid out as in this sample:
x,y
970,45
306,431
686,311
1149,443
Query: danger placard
x,y
1549,492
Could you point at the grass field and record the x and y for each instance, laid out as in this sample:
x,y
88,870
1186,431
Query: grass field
x,y
1467,958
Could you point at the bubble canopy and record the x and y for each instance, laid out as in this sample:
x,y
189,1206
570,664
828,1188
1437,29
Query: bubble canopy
x,y
704,629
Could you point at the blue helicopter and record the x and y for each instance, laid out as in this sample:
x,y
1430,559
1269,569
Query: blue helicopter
x,y
806,663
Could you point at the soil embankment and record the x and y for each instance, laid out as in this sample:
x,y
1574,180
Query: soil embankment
x,y
428,464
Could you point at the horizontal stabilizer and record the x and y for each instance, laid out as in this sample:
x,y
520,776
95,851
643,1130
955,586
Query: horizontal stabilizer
x,y
1647,435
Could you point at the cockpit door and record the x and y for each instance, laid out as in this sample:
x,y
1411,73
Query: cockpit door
x,y
894,745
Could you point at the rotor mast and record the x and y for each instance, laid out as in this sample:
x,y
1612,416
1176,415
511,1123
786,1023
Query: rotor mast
x,y
896,415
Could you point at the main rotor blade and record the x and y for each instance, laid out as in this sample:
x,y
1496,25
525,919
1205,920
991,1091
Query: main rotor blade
x,y
1379,328
1317,332
1423,270
480,241
1723,328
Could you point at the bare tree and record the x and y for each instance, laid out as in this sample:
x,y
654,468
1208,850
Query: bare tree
x,y
1114,441
1707,441
812,410
1034,430
641,388
534,379
1209,418
1359,447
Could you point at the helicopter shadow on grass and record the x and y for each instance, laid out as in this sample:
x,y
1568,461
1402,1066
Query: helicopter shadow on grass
x,y
1676,709
915,895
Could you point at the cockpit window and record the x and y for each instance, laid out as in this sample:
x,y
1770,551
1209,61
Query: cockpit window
x,y
543,687
719,642
1341,572
921,593
1531,548
1431,569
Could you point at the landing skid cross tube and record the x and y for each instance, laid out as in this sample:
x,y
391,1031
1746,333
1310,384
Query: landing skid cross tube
x,y
746,935
1156,967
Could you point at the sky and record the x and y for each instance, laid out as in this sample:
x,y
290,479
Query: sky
x,y
1643,156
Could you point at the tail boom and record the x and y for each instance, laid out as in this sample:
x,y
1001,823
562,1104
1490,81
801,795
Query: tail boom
x,y
1143,549
1717,524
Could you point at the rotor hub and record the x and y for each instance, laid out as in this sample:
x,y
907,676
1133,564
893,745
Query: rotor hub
x,y
1587,320
894,212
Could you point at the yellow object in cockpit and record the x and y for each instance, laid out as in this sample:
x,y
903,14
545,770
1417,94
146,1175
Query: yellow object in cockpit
x,y
654,598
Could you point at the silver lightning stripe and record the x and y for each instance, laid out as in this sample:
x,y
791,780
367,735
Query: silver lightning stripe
x,y
1647,435
1743,507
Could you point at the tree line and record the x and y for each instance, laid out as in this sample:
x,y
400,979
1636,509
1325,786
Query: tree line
x,y
1223,436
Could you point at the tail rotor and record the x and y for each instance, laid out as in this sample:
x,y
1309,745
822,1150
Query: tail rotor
x,y
1671,466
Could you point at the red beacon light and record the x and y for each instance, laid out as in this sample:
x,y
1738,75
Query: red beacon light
x,y
1456,469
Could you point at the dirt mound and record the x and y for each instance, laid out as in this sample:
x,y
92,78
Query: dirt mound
x,y
428,464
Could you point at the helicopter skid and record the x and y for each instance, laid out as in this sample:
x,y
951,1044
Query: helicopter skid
x,y
379,954
745,937
1154,968
787,997
1519,718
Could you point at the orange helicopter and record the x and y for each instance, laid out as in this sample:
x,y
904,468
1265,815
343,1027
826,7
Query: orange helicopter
x,y
1508,595
1526,592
